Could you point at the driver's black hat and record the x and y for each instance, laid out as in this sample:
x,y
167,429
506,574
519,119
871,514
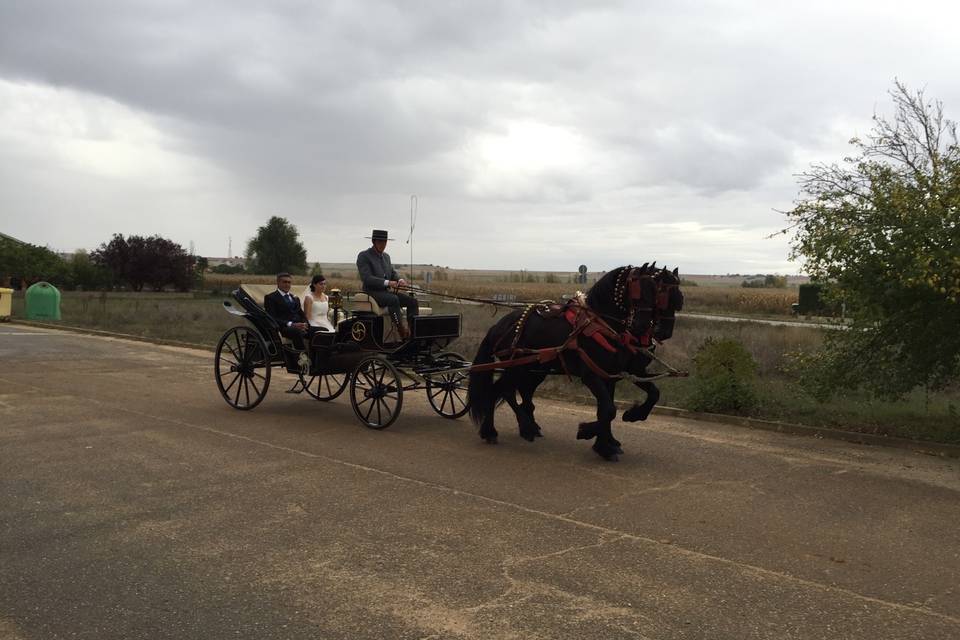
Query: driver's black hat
x,y
378,234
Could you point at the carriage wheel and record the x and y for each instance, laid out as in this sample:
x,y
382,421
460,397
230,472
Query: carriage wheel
x,y
242,368
447,392
325,387
376,392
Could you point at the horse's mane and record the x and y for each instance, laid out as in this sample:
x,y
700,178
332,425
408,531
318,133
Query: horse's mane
x,y
601,295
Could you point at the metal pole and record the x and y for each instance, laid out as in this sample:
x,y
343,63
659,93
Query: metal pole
x,y
414,204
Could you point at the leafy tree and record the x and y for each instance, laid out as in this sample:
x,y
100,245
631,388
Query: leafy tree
x,y
276,248
24,260
139,262
86,274
883,229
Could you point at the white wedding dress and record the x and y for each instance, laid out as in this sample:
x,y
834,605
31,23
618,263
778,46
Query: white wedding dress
x,y
318,312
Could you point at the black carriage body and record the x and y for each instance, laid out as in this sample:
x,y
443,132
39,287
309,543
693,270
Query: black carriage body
x,y
362,351
370,332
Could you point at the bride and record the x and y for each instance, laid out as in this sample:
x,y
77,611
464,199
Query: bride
x,y
316,304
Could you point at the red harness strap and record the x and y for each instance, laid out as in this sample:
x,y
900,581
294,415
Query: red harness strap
x,y
584,322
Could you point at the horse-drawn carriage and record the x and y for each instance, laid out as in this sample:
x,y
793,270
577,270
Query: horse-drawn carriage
x,y
602,337
362,353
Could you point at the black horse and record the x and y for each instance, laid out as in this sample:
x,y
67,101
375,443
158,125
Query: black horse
x,y
625,299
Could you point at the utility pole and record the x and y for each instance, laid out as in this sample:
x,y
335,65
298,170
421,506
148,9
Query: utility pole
x,y
414,204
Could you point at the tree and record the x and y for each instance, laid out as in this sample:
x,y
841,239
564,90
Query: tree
x,y
883,230
21,260
276,248
86,274
138,262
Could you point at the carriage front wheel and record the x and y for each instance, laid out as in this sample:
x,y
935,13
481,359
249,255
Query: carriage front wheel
x,y
325,387
242,368
447,391
376,392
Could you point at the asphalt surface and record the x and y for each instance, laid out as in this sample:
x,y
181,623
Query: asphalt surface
x,y
136,504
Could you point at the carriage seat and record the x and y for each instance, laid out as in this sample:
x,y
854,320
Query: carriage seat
x,y
365,304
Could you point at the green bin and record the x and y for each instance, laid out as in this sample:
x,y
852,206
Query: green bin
x,y
6,303
42,302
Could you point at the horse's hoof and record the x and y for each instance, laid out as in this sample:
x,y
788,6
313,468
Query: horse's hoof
x,y
619,450
607,454
538,434
491,440
529,437
635,414
586,431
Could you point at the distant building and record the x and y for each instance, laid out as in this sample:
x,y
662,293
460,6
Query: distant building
x,y
235,261
4,236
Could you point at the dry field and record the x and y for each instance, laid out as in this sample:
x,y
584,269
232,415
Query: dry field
x,y
716,298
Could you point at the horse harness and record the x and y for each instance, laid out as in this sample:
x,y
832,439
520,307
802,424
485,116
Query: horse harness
x,y
589,323
584,321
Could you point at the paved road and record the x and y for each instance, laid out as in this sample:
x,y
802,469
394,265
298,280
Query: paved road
x,y
136,504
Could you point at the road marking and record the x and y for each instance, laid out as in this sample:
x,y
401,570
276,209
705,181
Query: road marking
x,y
24,333
669,548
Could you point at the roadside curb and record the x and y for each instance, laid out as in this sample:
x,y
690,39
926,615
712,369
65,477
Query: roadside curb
x,y
112,334
919,446
928,448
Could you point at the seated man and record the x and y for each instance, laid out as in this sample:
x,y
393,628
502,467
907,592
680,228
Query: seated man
x,y
378,276
284,307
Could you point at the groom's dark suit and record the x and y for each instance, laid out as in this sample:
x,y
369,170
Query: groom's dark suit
x,y
286,309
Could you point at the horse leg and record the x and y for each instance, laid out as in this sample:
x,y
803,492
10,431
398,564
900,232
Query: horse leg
x,y
605,414
527,390
642,411
514,381
612,390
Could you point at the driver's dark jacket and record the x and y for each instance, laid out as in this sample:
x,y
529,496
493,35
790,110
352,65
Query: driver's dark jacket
x,y
374,268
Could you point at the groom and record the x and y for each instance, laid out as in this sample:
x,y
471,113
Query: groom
x,y
284,307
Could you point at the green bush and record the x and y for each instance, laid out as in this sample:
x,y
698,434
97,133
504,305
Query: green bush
x,y
724,373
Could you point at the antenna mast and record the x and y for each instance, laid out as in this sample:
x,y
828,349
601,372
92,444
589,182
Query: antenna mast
x,y
414,204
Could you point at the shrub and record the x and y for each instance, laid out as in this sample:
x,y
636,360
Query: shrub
x,y
724,372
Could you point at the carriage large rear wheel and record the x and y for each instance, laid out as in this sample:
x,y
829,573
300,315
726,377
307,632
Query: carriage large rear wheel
x,y
242,368
447,391
376,392
325,387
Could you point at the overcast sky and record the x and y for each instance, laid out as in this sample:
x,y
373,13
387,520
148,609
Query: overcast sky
x,y
536,135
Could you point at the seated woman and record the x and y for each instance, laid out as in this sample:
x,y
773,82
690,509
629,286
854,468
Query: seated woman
x,y
316,305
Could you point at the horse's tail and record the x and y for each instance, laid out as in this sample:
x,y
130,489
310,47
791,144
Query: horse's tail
x,y
480,389
480,392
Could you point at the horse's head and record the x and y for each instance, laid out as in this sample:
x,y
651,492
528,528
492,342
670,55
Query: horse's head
x,y
626,295
669,301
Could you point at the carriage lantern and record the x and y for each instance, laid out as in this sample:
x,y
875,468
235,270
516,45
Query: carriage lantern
x,y
336,303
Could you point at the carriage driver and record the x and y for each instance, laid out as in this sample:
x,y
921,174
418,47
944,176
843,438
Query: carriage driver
x,y
378,277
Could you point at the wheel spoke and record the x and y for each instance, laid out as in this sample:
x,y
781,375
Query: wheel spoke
x,y
456,395
236,400
233,352
366,418
241,350
246,390
254,385
236,377
443,404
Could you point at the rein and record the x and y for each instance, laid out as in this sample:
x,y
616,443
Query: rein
x,y
496,303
